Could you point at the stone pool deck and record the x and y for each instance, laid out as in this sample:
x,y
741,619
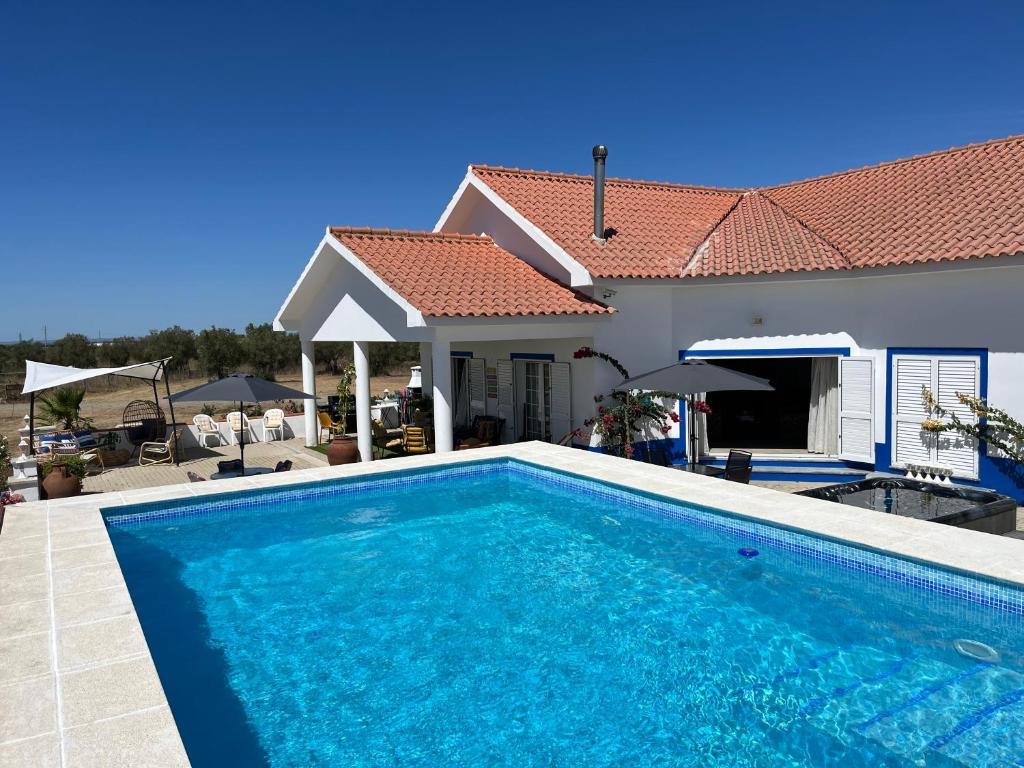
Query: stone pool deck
x,y
77,683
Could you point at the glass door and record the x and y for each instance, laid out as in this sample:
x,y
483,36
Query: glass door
x,y
537,421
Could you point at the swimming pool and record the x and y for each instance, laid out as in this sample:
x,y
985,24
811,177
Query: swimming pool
x,y
501,613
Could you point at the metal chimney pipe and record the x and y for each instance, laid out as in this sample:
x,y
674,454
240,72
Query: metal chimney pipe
x,y
600,154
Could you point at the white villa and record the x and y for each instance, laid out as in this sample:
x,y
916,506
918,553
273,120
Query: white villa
x,y
849,292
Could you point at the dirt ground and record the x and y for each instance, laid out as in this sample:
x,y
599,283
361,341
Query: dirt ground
x,y
105,405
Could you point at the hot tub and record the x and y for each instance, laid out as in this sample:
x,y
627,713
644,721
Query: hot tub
x,y
979,510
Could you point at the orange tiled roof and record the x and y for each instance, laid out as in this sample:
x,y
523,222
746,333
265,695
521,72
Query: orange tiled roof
x,y
960,203
658,225
451,275
758,236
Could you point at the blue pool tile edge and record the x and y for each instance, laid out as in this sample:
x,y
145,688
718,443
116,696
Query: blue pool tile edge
x,y
928,577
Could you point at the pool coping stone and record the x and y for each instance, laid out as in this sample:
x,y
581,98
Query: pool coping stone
x,y
100,643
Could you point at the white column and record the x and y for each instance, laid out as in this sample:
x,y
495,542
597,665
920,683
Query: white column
x,y
364,434
312,426
442,369
426,364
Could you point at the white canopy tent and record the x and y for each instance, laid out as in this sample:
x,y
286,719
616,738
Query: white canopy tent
x,y
40,376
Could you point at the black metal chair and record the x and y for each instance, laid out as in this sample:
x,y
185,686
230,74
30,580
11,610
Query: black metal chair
x,y
737,467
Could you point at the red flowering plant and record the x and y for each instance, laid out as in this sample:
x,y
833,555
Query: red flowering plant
x,y
624,414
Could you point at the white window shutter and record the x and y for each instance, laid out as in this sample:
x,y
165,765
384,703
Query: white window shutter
x,y
945,376
507,399
911,444
952,450
477,387
856,409
561,400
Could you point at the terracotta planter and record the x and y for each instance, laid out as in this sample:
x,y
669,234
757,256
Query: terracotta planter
x,y
342,450
60,485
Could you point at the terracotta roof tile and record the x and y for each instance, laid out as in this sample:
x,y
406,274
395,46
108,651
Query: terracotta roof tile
x,y
960,203
453,275
657,225
758,236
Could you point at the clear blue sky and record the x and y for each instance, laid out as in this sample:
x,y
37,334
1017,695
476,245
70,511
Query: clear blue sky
x,y
158,160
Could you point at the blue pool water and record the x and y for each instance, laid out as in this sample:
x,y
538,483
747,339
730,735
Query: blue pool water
x,y
501,618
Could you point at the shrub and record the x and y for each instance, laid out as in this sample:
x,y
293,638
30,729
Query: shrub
x,y
73,466
63,408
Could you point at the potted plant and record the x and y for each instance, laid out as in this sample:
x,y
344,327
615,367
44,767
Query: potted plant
x,y
62,476
343,449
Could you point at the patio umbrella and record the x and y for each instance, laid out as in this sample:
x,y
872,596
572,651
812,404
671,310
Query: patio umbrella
x,y
688,377
240,388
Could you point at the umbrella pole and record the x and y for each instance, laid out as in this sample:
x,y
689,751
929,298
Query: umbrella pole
x,y
241,436
691,430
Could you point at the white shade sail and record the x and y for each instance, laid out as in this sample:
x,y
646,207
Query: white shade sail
x,y
39,376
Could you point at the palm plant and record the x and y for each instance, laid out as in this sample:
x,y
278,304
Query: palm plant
x,y
63,408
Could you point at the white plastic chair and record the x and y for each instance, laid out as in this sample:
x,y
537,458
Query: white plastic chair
x,y
237,423
273,421
207,427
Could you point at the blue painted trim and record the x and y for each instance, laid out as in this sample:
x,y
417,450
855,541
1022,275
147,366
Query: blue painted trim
x,y
805,477
686,354
532,356
462,354
818,464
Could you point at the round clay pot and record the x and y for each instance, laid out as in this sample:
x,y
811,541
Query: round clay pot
x,y
59,485
342,450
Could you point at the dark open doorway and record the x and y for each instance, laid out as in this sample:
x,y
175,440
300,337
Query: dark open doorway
x,y
763,420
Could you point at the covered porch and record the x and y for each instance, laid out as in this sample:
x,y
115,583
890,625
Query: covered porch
x,y
479,314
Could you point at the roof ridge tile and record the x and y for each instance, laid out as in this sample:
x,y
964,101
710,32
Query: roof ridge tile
x,y
898,161
557,176
408,234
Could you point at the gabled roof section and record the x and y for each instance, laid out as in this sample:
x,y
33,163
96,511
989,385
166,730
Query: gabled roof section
x,y
453,275
961,203
758,237
658,225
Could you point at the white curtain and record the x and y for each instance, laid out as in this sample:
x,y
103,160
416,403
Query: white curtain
x,y
823,417
460,376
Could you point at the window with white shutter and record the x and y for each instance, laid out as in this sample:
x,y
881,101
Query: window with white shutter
x,y
477,387
507,400
946,376
856,409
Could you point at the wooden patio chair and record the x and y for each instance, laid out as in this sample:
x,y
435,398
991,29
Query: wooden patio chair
x,y
486,434
328,425
415,440
382,441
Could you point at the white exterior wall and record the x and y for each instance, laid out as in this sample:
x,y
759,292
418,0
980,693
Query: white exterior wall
x,y
959,307
473,214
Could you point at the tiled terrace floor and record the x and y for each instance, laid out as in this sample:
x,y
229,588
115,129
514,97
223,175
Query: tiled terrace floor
x,y
203,461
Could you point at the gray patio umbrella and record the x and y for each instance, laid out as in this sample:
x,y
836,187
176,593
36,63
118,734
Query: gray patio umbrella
x,y
688,377
240,388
